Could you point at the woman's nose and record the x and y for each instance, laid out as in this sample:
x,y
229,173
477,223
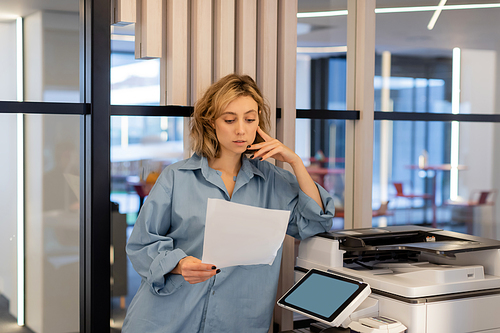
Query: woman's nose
x,y
240,128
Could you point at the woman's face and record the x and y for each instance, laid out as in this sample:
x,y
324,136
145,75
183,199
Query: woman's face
x,y
237,125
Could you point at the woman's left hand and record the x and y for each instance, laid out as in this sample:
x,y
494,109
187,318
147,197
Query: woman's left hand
x,y
273,148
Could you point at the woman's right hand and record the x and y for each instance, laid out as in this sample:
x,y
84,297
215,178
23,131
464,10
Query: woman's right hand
x,y
194,271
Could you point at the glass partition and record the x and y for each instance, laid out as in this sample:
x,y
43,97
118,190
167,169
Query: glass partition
x,y
321,85
133,81
40,230
446,65
40,51
9,290
141,147
423,186
426,171
325,158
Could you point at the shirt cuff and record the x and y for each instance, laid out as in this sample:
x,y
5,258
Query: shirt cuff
x,y
163,282
310,208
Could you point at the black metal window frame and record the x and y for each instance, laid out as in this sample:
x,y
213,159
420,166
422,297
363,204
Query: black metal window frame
x,y
426,116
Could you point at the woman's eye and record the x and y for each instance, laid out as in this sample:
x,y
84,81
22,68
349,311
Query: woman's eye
x,y
229,121
250,120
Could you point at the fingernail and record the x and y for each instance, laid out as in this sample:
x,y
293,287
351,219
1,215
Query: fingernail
x,y
217,271
249,146
213,267
260,158
251,156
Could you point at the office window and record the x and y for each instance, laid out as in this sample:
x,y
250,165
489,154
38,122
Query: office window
x,y
9,227
141,147
321,85
39,273
425,187
40,167
40,53
133,81
446,69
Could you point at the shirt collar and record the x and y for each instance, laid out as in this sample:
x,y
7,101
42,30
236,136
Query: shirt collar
x,y
196,162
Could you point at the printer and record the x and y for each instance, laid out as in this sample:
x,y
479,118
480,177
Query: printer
x,y
431,280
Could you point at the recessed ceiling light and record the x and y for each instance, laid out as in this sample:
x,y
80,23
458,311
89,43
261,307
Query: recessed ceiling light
x,y
435,16
400,10
322,49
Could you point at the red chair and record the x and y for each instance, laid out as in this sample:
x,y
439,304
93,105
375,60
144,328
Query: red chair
x,y
401,194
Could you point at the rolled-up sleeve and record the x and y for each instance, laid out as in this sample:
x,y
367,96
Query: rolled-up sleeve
x,y
150,249
307,218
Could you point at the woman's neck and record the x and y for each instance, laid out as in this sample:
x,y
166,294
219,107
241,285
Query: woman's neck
x,y
227,164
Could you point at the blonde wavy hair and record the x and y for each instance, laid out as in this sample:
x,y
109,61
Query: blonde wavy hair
x,y
211,105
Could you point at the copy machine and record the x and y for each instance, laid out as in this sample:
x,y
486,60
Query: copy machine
x,y
431,280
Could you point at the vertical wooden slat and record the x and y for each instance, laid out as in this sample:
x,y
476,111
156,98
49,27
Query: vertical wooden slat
x,y
148,29
201,47
267,49
360,92
224,38
124,12
246,37
285,132
174,81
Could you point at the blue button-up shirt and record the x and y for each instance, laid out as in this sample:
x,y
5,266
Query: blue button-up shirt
x,y
171,226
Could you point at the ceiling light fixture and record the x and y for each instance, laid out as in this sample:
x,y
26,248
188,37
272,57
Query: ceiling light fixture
x,y
435,16
322,49
400,10
323,14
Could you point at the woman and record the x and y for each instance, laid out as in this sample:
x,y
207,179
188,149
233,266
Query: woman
x,y
178,292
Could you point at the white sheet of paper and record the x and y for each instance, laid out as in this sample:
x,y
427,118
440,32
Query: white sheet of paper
x,y
237,234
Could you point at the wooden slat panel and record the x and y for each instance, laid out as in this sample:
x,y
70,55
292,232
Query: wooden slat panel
x,y
246,37
267,48
360,53
285,132
224,35
287,67
174,82
148,29
124,12
201,47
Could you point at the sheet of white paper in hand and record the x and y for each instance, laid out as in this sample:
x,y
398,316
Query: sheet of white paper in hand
x,y
237,234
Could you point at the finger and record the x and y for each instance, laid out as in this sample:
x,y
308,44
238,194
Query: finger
x,y
266,148
206,267
272,153
198,276
198,266
261,145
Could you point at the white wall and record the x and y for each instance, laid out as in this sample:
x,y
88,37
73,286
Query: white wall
x,y
478,88
477,140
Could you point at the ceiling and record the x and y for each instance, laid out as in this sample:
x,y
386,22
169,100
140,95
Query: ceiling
x,y
407,33
400,33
